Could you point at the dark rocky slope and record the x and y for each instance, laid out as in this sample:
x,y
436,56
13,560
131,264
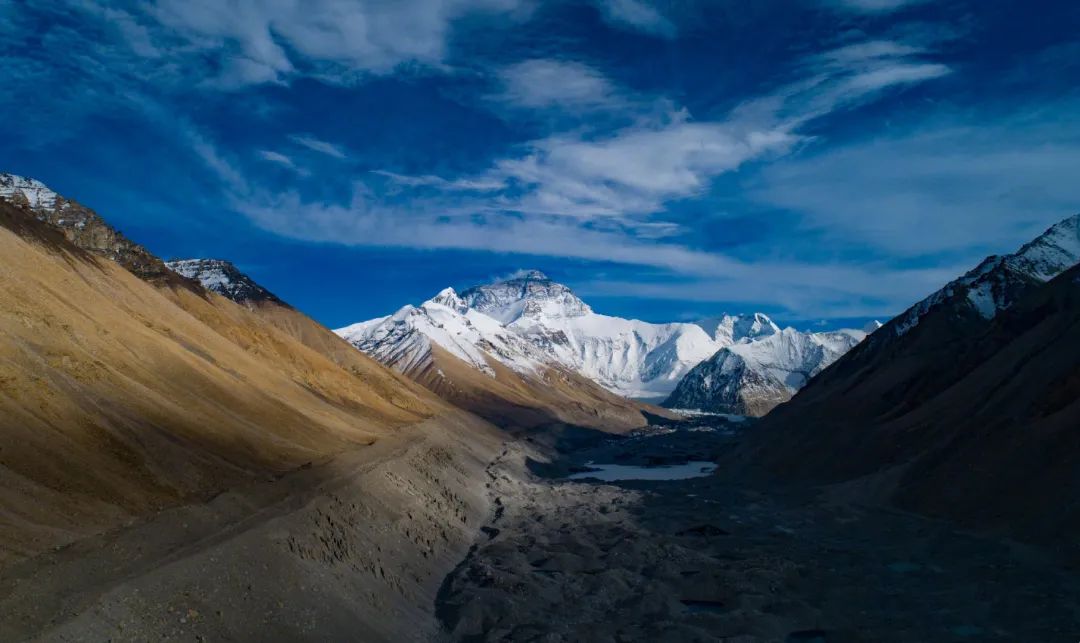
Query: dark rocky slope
x,y
956,415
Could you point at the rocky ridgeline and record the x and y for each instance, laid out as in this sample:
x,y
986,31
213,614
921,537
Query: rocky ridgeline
x,y
85,229
225,279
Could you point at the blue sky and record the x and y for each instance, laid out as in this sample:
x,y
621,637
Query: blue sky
x,y
816,160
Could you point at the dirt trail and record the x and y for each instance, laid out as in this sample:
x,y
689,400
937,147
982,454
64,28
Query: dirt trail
x,y
712,559
351,549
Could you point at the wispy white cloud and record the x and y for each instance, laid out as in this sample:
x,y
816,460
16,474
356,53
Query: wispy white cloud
x,y
229,46
635,171
541,83
806,288
276,157
638,15
479,184
283,160
590,198
960,184
317,145
803,288
852,75
868,50
874,6
367,221
890,75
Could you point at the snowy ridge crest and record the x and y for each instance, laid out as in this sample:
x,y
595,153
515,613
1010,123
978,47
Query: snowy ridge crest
x,y
752,377
527,321
27,191
526,294
993,285
223,278
403,340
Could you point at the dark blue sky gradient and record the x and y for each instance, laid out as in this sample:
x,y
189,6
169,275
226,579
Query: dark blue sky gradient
x,y
909,139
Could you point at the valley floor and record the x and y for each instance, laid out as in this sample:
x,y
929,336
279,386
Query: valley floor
x,y
364,548
710,559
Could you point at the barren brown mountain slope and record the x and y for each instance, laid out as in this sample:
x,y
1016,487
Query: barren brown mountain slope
x,y
968,421
508,400
165,450
512,400
118,398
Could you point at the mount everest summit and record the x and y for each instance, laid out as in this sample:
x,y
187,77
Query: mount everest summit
x,y
528,321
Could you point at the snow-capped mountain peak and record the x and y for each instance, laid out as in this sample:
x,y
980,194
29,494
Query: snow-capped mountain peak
x,y
448,297
1053,252
871,326
31,192
223,278
528,320
82,227
528,294
993,285
730,329
403,340
750,377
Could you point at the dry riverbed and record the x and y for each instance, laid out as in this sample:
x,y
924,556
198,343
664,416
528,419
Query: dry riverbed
x,y
711,559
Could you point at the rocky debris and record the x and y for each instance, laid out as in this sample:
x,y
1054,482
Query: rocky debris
x,y
603,561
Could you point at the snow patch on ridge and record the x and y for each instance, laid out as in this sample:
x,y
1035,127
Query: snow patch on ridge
x,y
222,277
32,192
989,287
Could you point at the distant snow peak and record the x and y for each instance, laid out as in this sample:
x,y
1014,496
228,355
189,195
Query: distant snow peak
x,y
993,285
730,329
403,340
530,294
751,377
1052,252
527,320
629,357
27,191
449,298
222,277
